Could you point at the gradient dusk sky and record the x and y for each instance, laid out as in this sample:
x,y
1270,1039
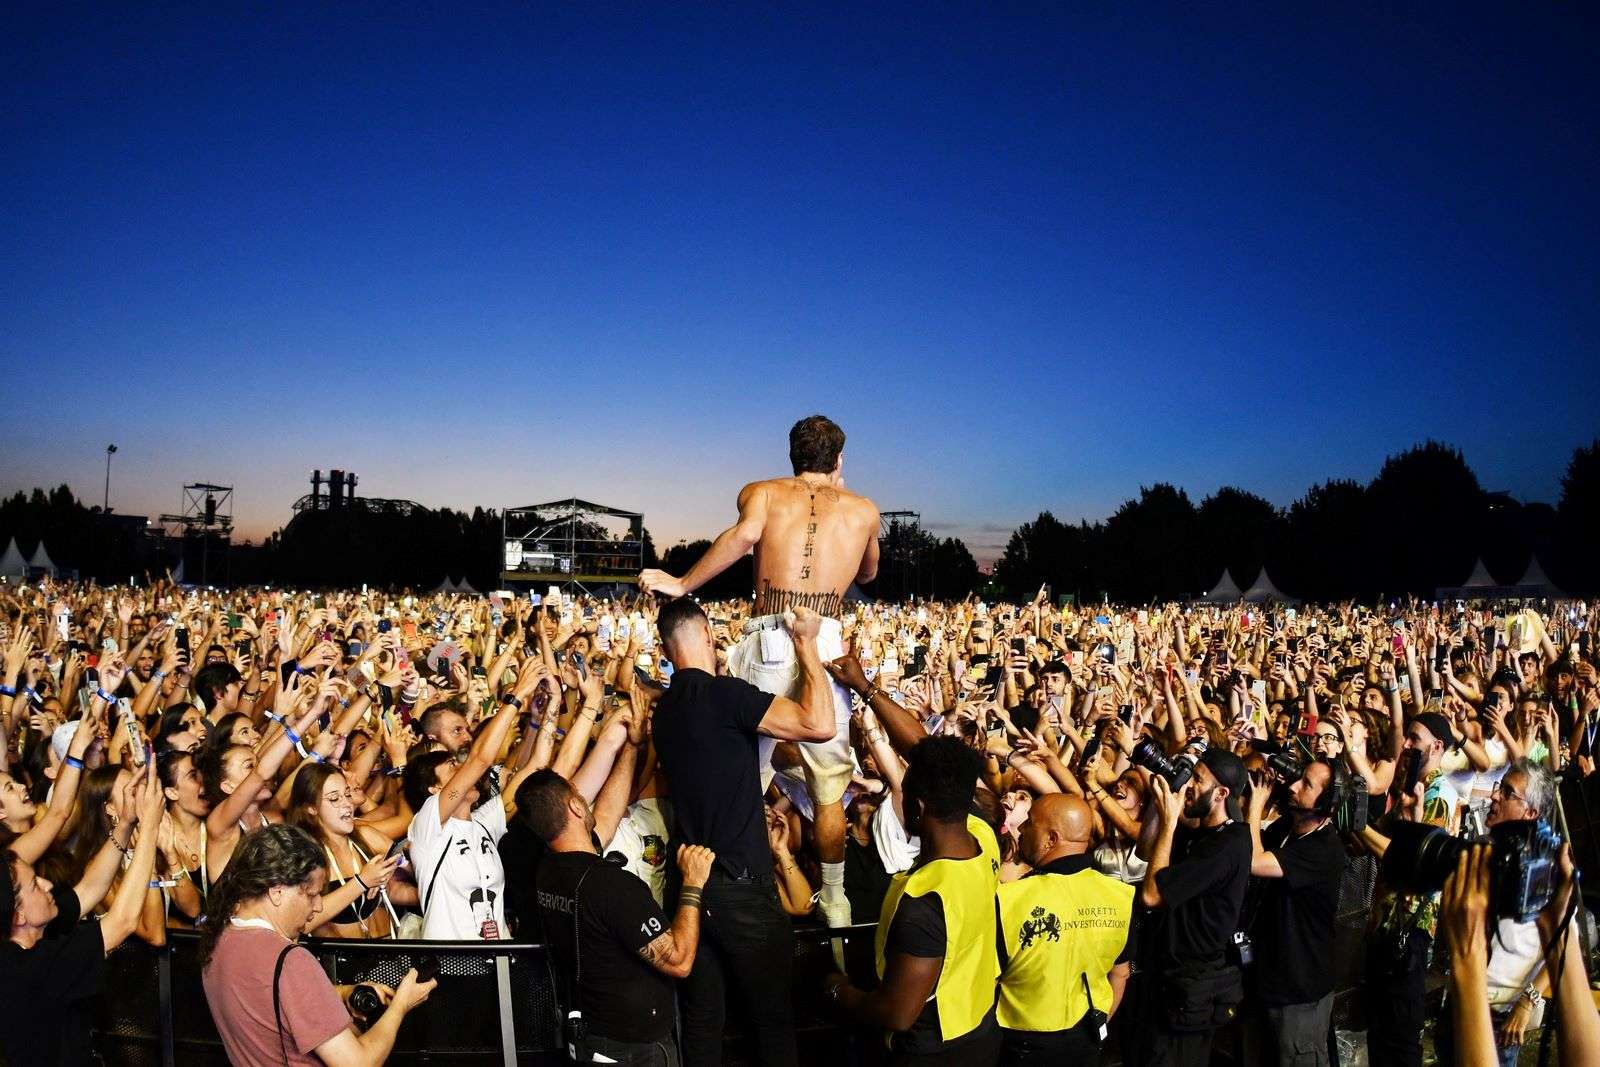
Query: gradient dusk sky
x,y
1029,256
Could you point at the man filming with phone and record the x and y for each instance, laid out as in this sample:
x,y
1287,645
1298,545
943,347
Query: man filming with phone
x,y
812,538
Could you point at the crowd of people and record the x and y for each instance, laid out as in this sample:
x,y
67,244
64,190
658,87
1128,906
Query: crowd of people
x,y
1080,829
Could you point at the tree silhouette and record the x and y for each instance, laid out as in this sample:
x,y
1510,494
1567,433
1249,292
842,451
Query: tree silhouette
x,y
1235,530
1578,519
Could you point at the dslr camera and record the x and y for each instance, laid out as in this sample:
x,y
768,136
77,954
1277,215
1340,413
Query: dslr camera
x,y
1523,858
1344,800
1177,770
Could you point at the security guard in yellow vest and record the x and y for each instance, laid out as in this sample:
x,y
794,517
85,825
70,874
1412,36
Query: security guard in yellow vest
x,y
937,934
1064,941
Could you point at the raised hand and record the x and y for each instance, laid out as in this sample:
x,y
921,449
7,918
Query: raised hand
x,y
660,583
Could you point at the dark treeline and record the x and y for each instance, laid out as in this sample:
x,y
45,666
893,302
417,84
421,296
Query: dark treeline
x,y
1418,525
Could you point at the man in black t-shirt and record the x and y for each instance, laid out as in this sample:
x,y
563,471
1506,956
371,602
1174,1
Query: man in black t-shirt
x,y
1186,986
1299,861
705,730
608,940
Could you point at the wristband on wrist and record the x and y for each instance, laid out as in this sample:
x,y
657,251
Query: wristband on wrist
x,y
74,762
362,882
7,691
107,697
157,674
163,883
294,738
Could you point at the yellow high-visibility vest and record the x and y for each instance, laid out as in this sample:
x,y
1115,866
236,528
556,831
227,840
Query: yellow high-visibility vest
x,y
1057,929
966,890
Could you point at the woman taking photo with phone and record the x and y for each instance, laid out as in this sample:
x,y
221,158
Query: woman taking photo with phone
x,y
360,892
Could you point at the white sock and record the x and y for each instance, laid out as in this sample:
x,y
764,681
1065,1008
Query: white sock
x,y
833,879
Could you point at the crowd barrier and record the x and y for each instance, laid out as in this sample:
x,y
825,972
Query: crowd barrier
x,y
493,1005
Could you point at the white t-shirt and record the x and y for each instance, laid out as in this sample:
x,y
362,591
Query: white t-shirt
x,y
470,885
1514,952
897,849
641,839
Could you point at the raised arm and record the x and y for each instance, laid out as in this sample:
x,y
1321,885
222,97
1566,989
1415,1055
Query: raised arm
x,y
453,794
271,757
38,838
611,803
673,952
811,717
142,805
730,546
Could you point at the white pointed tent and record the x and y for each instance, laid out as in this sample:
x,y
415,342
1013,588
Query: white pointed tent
x,y
1480,578
1263,591
1480,585
41,563
464,586
1536,580
446,586
12,565
1226,591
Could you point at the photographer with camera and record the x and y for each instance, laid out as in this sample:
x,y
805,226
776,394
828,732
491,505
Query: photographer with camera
x,y
269,997
1402,924
1299,861
1516,984
1187,962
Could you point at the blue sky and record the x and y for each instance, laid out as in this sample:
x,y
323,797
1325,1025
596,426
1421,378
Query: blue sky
x,y
1029,256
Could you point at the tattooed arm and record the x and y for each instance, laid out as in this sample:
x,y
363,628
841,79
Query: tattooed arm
x,y
672,953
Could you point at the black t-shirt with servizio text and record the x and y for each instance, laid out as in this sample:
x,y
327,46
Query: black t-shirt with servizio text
x,y
1292,929
705,736
49,989
1202,893
621,996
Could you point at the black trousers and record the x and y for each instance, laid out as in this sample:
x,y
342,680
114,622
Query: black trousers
x,y
1022,1048
661,1053
746,946
1147,1040
1395,999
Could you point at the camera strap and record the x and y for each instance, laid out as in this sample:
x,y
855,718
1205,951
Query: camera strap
x,y
277,1001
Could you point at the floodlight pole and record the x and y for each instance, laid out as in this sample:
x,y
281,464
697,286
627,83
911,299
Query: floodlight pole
x,y
105,503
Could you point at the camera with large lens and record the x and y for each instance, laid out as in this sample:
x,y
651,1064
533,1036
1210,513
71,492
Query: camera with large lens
x,y
365,1004
1285,766
1177,770
1522,863
1344,798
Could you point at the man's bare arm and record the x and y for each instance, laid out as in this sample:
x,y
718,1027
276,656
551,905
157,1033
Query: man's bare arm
x,y
869,558
730,546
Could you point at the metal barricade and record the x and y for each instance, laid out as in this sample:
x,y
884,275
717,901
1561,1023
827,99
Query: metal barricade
x,y
495,1004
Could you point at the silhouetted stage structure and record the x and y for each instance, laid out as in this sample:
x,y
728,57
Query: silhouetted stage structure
x,y
571,542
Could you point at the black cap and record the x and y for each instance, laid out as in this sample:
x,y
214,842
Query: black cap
x,y
1438,726
1226,768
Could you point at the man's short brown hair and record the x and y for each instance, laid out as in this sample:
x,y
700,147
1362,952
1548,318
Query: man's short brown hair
x,y
814,445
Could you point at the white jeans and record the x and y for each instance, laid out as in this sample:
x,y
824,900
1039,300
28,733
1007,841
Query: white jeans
x,y
765,657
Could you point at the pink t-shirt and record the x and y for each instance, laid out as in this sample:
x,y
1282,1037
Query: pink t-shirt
x,y
238,984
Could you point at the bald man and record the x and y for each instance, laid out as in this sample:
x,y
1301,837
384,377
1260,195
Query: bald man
x,y
1064,935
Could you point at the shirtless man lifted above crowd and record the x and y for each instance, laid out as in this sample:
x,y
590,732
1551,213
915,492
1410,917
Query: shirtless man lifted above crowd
x,y
812,538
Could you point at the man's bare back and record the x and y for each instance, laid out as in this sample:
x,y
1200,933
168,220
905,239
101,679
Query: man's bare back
x,y
817,538
811,537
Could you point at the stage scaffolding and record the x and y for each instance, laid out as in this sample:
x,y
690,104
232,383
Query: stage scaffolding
x,y
571,543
